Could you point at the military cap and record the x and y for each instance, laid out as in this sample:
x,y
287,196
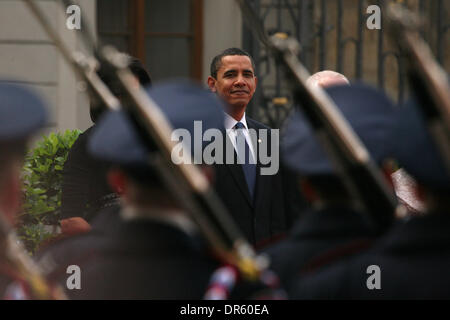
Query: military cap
x,y
21,112
415,150
368,111
116,141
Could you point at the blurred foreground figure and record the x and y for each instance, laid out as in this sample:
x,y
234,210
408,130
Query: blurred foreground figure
x,y
85,190
334,228
21,114
154,251
412,260
403,183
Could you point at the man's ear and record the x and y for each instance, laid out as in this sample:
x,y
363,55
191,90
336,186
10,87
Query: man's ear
x,y
307,190
212,84
10,196
388,168
209,173
118,181
420,193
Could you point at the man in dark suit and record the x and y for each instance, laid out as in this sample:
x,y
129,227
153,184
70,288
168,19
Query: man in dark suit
x,y
253,198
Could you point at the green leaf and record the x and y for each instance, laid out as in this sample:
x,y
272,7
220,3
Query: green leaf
x,y
42,179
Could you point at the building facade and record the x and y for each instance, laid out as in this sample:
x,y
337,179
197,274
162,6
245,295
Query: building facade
x,y
174,38
178,38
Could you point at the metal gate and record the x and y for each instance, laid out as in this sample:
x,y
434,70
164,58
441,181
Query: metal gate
x,y
334,35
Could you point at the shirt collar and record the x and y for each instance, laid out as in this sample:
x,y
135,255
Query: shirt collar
x,y
230,122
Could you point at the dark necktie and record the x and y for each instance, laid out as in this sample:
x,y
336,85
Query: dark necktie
x,y
245,155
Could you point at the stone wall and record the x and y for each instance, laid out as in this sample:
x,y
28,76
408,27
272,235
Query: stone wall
x,y
27,56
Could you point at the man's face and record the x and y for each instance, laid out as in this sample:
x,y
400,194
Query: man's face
x,y
236,81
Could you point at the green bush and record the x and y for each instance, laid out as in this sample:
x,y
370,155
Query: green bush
x,y
42,180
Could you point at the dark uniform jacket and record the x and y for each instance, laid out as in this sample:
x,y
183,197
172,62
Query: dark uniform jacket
x,y
413,261
320,238
139,259
264,218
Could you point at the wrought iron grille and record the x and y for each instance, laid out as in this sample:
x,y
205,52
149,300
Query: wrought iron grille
x,y
334,35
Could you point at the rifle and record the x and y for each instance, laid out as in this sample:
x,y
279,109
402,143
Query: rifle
x,y
185,180
360,175
427,78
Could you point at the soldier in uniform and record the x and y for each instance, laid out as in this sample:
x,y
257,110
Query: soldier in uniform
x,y
412,260
155,251
333,228
22,113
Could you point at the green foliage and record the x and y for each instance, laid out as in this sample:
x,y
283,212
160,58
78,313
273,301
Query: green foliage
x,y
42,180
33,235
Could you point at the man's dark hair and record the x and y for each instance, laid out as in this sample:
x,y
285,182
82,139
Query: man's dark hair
x,y
217,60
138,70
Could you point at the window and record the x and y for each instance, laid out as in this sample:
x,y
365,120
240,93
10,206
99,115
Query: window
x,y
166,35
